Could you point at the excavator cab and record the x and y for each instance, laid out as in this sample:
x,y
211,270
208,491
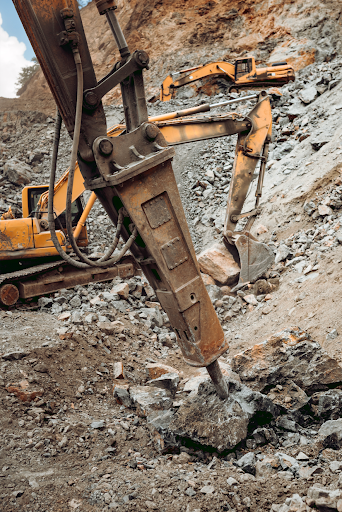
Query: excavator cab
x,y
30,200
244,67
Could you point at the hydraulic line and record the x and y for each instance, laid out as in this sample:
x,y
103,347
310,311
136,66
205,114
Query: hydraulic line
x,y
104,261
85,263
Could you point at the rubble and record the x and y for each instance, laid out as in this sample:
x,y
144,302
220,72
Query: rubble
x,y
290,354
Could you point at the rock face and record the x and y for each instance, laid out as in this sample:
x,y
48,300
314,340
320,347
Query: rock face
x,y
289,354
207,420
218,262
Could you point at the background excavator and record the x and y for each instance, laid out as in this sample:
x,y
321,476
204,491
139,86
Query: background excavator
x,y
242,74
131,174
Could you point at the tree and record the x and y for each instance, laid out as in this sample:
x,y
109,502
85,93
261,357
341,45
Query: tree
x,y
25,75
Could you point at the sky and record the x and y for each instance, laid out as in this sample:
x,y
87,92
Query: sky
x,y
15,49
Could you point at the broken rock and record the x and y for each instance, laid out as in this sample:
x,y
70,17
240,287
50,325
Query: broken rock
x,y
330,434
167,381
327,405
221,424
287,355
156,370
218,262
147,399
121,289
308,94
17,172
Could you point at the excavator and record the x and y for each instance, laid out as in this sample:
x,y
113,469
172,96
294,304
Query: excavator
x,y
129,170
242,74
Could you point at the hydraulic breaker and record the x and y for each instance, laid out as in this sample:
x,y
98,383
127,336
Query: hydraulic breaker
x,y
131,175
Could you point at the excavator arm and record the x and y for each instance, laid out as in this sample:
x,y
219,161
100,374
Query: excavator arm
x,y
131,175
172,82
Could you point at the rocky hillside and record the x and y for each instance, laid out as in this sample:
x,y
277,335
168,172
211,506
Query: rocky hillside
x,y
184,33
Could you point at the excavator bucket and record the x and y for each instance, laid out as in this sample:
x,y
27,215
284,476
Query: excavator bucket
x,y
255,257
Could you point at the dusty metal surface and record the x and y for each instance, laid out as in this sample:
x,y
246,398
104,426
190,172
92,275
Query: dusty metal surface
x,y
251,148
9,294
67,276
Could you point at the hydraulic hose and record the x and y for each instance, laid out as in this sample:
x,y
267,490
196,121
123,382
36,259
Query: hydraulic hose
x,y
104,261
51,218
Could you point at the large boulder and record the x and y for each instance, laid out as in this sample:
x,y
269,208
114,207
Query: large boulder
x,y
17,172
288,355
330,434
219,263
207,420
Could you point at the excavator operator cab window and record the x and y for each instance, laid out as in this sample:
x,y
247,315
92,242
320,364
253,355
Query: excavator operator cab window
x,y
33,198
243,67
76,212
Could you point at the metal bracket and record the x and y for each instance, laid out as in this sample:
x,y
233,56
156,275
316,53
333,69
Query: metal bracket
x,y
136,62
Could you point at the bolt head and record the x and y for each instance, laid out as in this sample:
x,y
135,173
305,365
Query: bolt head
x,y
105,147
151,131
91,99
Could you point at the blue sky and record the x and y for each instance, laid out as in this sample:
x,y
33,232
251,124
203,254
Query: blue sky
x,y
12,25
15,49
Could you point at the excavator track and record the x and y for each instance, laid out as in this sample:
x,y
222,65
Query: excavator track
x,y
51,277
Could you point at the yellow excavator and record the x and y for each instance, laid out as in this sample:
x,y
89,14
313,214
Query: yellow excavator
x,y
131,175
26,248
242,74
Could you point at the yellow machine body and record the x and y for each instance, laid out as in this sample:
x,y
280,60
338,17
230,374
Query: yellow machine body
x,y
243,73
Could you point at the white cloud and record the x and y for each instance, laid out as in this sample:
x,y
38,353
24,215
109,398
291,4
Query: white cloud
x,y
12,61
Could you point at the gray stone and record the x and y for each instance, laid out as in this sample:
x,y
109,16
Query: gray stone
x,y
207,489
75,302
247,463
214,292
287,355
310,207
98,424
76,318
335,465
330,434
190,492
147,399
17,172
122,396
287,462
167,381
208,420
287,424
231,481
154,315
308,94
45,302
282,253
332,335
327,405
